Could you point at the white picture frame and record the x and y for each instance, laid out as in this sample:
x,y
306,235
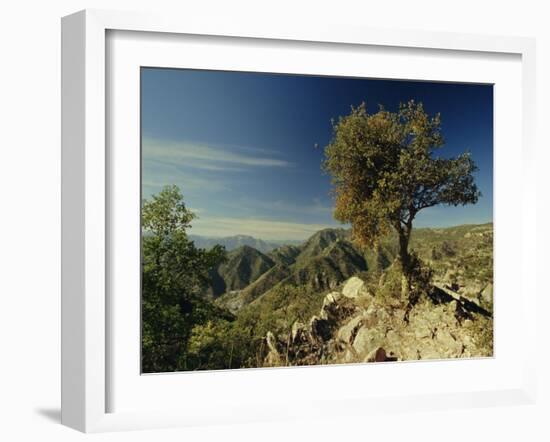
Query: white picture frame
x,y
87,204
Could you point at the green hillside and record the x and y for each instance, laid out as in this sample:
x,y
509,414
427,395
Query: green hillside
x,y
242,267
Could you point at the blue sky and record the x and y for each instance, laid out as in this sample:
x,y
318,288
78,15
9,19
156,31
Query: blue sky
x,y
241,146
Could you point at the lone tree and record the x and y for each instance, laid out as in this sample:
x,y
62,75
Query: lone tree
x,y
384,172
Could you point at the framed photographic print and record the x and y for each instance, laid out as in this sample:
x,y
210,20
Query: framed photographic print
x,y
251,213
281,254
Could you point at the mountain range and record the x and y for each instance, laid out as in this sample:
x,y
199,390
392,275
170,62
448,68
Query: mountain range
x,y
330,257
323,261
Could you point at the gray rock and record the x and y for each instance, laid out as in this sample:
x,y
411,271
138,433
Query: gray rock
x,y
354,288
349,330
367,339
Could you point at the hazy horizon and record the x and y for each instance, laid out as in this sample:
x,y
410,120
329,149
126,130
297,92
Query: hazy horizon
x,y
341,226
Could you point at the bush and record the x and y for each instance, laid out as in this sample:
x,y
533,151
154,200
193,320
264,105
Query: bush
x,y
389,287
225,343
447,249
420,278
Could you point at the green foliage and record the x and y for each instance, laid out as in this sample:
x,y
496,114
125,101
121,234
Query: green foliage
x,y
220,344
174,273
278,309
388,288
223,344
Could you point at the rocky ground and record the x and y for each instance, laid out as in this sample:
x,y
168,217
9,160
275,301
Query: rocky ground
x,y
359,323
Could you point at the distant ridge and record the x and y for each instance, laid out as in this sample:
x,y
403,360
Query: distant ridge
x,y
236,241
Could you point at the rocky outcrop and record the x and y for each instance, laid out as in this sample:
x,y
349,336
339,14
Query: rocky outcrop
x,y
356,325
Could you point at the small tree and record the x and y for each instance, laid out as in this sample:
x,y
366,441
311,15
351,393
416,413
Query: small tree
x,y
384,172
174,273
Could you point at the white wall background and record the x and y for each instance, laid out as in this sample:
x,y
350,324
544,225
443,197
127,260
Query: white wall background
x,y
30,215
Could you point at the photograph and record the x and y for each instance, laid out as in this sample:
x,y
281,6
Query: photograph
x,y
296,220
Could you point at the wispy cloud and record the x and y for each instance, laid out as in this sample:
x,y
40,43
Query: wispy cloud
x,y
207,157
157,174
264,229
203,173
315,207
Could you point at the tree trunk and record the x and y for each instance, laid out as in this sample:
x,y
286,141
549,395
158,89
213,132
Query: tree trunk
x,y
405,259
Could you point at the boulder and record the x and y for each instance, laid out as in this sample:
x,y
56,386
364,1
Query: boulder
x,y
349,330
367,339
354,288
